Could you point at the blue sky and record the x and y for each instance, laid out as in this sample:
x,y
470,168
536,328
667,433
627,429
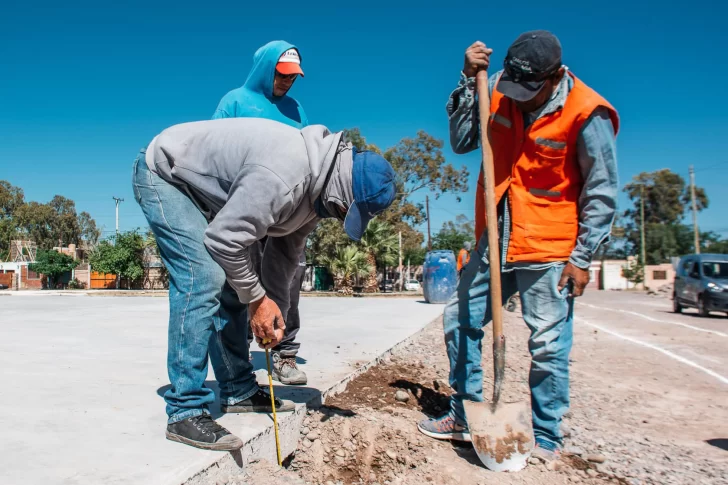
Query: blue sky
x,y
84,85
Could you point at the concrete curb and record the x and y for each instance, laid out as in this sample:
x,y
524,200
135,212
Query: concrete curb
x,y
262,445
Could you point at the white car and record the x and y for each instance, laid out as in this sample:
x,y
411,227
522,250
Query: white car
x,y
412,285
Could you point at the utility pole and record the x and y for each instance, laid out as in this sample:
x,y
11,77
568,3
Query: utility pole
x,y
429,236
696,233
117,213
401,269
642,226
642,232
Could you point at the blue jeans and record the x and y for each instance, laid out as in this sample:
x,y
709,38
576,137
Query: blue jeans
x,y
549,315
205,314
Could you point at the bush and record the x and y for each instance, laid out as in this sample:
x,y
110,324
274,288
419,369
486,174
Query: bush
x,y
74,284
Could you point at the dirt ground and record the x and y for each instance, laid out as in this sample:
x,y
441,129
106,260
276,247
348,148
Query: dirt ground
x,y
635,418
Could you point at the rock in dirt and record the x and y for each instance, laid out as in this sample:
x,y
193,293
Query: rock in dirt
x,y
440,385
341,453
305,430
339,460
391,454
595,458
401,396
534,461
313,435
592,473
307,443
573,450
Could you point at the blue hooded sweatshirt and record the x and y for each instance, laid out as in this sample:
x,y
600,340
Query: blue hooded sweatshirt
x,y
255,98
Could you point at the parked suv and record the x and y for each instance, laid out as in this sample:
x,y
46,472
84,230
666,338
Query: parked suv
x,y
701,282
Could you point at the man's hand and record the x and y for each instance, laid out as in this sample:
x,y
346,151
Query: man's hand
x,y
266,322
579,277
477,58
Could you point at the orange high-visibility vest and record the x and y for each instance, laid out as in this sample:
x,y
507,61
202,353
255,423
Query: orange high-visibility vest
x,y
538,168
463,255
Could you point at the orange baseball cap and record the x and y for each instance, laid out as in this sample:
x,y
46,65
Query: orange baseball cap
x,y
290,63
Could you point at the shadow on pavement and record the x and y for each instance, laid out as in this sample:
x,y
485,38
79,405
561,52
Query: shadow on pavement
x,y
297,394
713,315
721,443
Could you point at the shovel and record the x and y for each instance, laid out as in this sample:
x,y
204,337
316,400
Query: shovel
x,y
502,433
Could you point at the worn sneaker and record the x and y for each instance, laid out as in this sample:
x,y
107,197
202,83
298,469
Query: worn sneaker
x,y
287,372
258,403
545,452
444,428
203,432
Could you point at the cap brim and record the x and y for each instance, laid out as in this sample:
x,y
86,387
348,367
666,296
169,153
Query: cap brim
x,y
525,91
355,224
289,68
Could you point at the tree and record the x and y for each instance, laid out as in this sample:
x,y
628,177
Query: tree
x,y
381,246
90,234
666,198
718,247
36,222
453,235
414,256
347,265
122,255
357,140
11,198
64,224
420,165
53,224
52,264
328,236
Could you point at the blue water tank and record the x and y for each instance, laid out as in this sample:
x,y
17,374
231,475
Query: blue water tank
x,y
439,278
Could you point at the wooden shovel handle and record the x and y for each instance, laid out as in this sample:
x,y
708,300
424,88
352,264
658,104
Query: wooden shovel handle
x,y
496,299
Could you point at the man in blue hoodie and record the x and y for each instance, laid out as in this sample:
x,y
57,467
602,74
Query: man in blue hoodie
x,y
276,66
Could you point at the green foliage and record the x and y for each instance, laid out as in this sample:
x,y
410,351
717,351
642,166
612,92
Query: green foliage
x,y
720,247
381,242
358,141
52,264
453,235
666,199
122,255
49,225
74,284
420,166
348,264
414,256
328,236
635,274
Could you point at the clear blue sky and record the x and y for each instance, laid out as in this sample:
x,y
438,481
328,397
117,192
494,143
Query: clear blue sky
x,y
84,85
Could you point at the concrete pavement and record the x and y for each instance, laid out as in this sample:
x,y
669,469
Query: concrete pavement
x,y
83,378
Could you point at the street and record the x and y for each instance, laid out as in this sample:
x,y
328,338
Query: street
x,y
84,374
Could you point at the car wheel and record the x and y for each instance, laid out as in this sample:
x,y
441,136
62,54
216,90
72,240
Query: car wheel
x,y
676,307
702,307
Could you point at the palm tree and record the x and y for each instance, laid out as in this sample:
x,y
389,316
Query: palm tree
x,y
379,242
347,265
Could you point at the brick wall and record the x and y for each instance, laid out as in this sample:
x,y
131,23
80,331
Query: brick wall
x,y
29,280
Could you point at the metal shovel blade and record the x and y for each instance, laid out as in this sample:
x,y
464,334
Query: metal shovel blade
x,y
502,437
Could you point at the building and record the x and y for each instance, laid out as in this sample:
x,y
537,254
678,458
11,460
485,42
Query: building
x,y
659,275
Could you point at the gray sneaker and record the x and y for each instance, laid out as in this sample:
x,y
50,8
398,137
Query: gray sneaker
x,y
287,372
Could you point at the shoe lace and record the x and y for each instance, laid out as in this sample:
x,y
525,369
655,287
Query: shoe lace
x,y
289,362
205,424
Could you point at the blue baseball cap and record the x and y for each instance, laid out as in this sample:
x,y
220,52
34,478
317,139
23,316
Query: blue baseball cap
x,y
374,190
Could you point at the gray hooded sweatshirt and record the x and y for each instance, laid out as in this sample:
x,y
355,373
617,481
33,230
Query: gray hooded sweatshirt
x,y
252,178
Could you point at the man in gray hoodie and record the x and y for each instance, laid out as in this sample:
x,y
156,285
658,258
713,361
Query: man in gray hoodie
x,y
209,191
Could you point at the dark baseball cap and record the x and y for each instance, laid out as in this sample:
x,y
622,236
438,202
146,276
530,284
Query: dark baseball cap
x,y
374,190
531,59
